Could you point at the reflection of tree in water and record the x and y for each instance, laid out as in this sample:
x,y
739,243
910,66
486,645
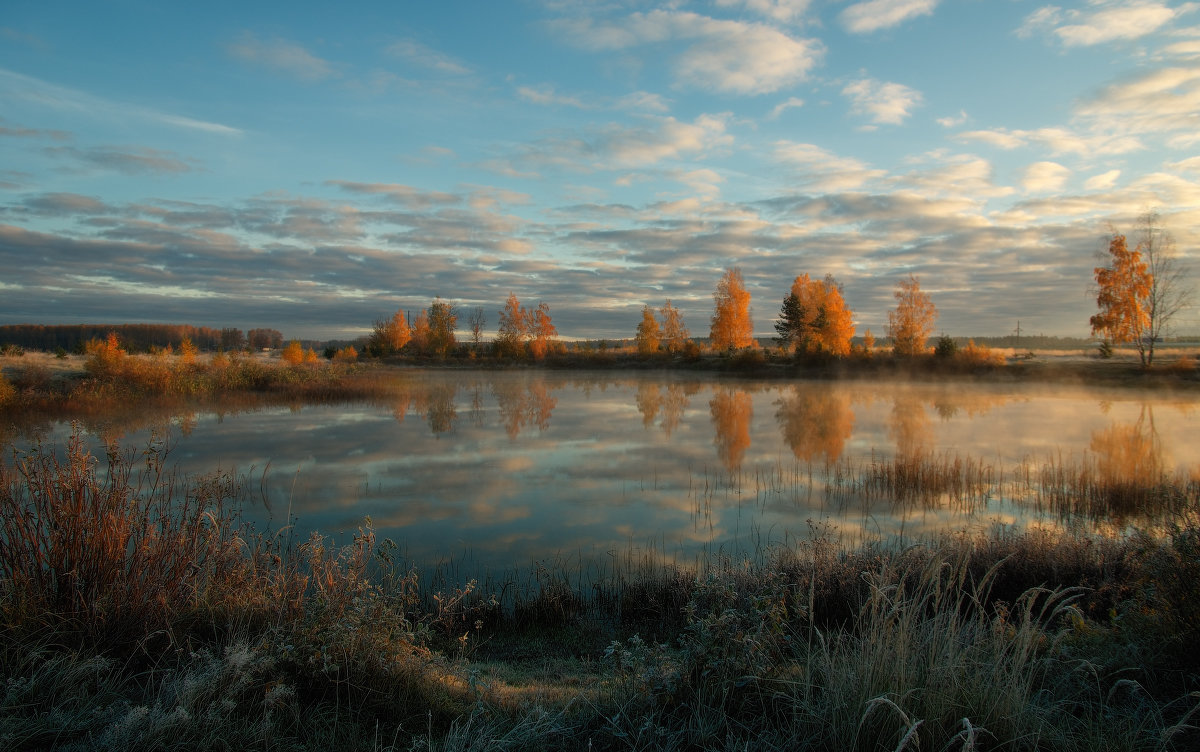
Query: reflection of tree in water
x,y
649,400
674,402
972,402
815,421
731,411
524,404
669,400
909,425
1129,452
439,408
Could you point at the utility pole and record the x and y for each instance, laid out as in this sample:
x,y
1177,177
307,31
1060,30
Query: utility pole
x,y
1017,345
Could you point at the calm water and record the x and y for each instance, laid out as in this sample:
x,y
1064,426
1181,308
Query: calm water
x,y
498,470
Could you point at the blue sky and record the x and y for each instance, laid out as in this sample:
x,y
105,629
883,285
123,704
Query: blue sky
x,y
313,169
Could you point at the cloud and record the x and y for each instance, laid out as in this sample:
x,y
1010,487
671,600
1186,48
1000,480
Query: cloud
x,y
128,161
281,55
1191,164
865,17
1103,181
618,146
953,121
642,100
787,104
821,170
45,94
65,204
962,176
1159,101
882,102
1104,21
1057,140
546,95
1041,177
733,57
786,11
404,195
427,57
18,132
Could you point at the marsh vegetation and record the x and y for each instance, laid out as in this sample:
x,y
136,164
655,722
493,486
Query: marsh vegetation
x,y
951,590
140,612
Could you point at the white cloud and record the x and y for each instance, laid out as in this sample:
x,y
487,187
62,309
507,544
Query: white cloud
x,y
960,176
882,102
953,121
282,55
643,100
545,94
779,10
726,56
787,104
43,93
704,183
1160,101
661,138
1191,164
1042,177
821,170
872,15
1104,21
1103,181
1057,140
427,57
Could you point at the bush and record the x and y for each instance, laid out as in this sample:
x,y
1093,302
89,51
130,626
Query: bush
x,y
979,355
945,348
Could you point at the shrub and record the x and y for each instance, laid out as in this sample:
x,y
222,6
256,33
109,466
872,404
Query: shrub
x,y
979,355
293,354
945,348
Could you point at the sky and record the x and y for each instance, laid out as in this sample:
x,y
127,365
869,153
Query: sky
x,y
313,168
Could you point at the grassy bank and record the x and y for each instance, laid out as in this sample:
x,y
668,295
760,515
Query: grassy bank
x,y
136,611
40,383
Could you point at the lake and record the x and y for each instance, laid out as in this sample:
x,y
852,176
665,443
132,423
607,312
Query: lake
x,y
496,470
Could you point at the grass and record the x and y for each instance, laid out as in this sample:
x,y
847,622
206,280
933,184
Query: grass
x,y
136,611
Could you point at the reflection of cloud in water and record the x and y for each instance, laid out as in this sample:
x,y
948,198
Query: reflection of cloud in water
x,y
515,466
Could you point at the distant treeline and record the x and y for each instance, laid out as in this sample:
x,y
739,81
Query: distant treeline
x,y
135,337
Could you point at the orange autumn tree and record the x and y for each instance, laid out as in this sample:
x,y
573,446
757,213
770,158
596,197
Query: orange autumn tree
x,y
674,332
814,318
390,335
911,322
732,327
1122,287
519,325
648,333
541,330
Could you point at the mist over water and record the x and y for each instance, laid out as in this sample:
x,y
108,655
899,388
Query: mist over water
x,y
496,470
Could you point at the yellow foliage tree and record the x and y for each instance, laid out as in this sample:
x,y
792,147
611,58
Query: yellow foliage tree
x,y
187,351
911,322
814,318
1122,287
675,335
293,353
732,327
541,330
648,336
510,336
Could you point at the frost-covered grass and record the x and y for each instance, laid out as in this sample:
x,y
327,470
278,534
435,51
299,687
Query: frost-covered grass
x,y
136,612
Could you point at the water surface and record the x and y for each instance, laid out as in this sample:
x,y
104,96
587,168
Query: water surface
x,y
496,470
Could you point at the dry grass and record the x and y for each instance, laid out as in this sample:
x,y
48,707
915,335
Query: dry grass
x,y
136,613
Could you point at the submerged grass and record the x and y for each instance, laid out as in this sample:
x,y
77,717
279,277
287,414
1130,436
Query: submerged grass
x,y
136,611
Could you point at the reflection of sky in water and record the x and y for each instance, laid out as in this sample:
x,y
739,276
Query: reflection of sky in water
x,y
520,466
